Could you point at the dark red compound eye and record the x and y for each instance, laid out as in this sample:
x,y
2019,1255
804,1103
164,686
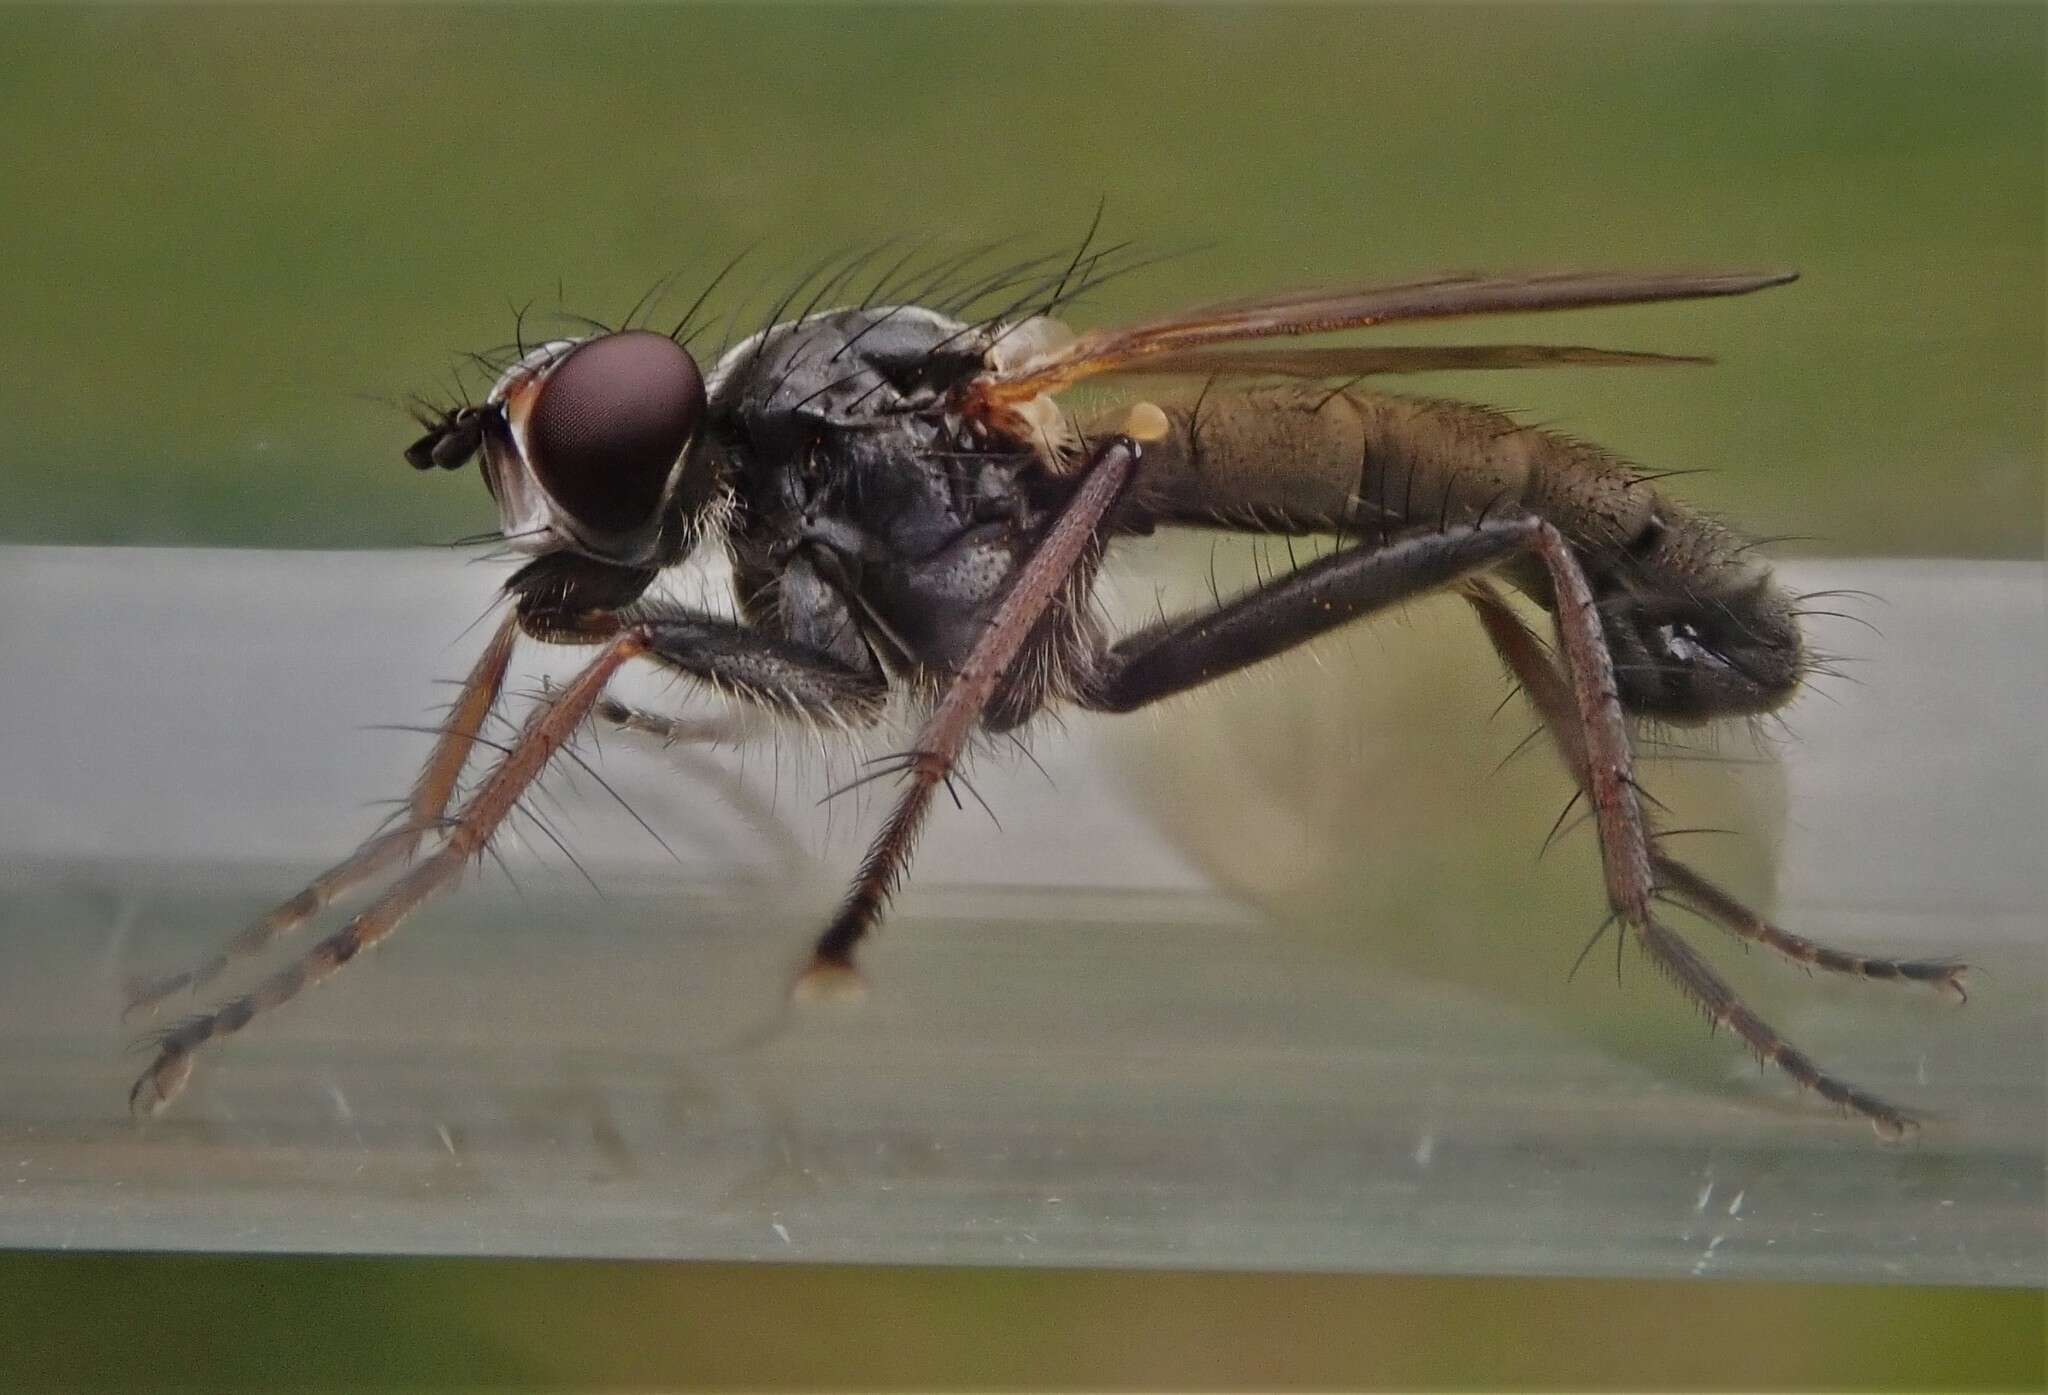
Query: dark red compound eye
x,y
608,424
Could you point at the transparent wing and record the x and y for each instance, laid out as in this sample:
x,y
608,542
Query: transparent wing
x,y
1324,310
1350,362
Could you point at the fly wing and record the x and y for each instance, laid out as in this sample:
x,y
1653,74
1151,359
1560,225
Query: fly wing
x,y
1324,310
1359,362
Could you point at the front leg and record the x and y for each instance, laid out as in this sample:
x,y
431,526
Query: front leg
x,y
784,676
755,667
422,814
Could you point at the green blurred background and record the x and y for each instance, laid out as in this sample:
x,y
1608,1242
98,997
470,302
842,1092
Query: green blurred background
x,y
225,227
235,236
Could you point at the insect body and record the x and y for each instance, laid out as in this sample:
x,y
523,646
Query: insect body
x,y
905,504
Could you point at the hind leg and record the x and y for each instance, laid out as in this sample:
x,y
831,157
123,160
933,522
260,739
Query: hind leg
x,y
1580,703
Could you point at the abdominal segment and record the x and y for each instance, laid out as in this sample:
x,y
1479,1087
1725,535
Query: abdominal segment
x,y
1303,458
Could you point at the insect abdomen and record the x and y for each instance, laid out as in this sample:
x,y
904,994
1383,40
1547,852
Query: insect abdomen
x,y
1303,459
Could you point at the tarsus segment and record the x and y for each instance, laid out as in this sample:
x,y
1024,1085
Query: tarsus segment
x,y
547,729
1643,874
422,813
777,674
1683,884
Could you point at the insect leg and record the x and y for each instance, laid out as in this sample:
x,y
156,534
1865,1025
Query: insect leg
x,y
1182,653
758,667
1682,883
688,738
669,731
1584,708
783,675
551,724
1186,651
839,684
1589,742
1039,581
1548,692
431,792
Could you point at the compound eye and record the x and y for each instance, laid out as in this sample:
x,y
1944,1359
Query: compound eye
x,y
608,424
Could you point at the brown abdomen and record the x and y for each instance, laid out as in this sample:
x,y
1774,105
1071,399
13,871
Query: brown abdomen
x,y
1296,458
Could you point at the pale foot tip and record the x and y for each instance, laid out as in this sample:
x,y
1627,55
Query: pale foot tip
x,y
141,995
828,981
158,1086
1896,1128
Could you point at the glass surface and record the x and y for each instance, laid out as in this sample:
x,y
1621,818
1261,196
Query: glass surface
x,y
1188,1006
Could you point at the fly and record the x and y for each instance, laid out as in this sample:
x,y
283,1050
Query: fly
x,y
906,505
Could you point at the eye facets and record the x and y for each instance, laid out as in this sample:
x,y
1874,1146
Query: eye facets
x,y
608,424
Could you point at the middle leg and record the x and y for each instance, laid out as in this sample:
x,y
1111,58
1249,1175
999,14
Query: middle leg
x,y
1070,542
